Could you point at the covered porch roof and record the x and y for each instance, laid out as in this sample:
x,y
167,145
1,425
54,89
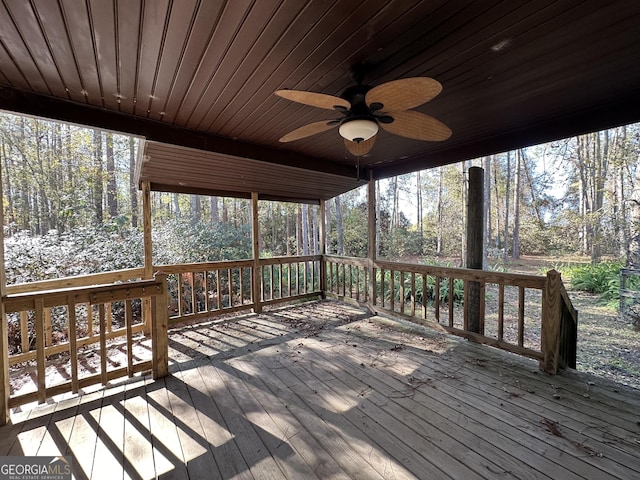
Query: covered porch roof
x,y
202,75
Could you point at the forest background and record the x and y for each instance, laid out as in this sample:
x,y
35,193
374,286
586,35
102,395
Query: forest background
x,y
71,207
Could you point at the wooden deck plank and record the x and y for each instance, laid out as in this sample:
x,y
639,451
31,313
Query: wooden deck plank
x,y
83,436
579,459
358,379
254,452
137,448
167,450
343,451
409,426
225,450
376,429
322,390
196,450
108,423
264,436
293,432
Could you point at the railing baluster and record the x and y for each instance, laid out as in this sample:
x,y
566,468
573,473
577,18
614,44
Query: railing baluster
x,y
47,327
402,293
109,314
520,316
451,292
501,312
73,344
413,294
483,287
194,300
24,331
180,299
103,344
465,306
241,281
128,321
206,281
436,293
392,289
382,295
90,319
424,296
218,289
40,355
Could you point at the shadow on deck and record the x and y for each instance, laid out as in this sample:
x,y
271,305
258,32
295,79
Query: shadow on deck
x,y
324,390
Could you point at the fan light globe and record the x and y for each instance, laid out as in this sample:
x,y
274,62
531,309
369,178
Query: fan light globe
x,y
358,130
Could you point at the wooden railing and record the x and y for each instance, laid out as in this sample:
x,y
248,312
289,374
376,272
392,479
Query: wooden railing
x,y
560,326
62,320
91,323
511,307
284,279
205,290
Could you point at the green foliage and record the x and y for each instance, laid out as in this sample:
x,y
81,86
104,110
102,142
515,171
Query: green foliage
x,y
602,279
593,278
177,241
430,291
75,252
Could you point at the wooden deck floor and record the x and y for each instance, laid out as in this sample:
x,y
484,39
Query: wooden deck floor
x,y
323,391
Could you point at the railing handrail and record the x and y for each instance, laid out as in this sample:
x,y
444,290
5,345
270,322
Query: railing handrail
x,y
14,302
486,276
89,279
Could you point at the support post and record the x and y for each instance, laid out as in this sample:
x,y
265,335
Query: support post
x,y
4,329
371,234
160,331
322,241
475,249
148,252
551,320
255,242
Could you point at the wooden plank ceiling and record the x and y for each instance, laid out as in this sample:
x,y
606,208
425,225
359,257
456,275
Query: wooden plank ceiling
x,y
201,74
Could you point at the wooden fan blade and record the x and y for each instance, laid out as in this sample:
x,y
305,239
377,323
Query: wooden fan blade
x,y
361,148
314,99
403,94
308,130
416,125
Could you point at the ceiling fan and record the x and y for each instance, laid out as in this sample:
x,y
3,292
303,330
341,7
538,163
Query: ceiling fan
x,y
365,108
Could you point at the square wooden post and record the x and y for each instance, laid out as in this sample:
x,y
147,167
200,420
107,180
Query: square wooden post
x,y
371,234
551,319
148,252
160,330
322,241
255,242
4,366
4,328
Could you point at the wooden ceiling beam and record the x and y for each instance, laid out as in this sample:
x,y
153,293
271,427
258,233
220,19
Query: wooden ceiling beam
x,y
606,115
22,102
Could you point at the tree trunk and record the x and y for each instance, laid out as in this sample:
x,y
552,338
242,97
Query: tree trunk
x,y
419,219
516,206
305,230
97,181
339,231
112,188
195,209
378,219
314,231
464,168
133,188
486,230
215,212
505,253
439,209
